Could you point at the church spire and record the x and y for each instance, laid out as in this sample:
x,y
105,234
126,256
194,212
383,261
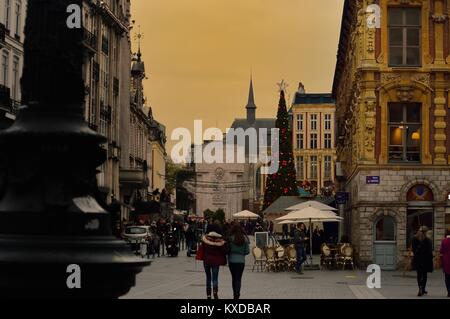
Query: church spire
x,y
251,106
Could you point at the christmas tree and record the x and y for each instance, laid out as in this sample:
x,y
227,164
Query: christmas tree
x,y
284,182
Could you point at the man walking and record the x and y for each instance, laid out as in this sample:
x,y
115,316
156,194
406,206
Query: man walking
x,y
299,242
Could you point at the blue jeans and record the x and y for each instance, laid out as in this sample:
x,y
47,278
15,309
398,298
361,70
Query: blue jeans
x,y
301,257
212,275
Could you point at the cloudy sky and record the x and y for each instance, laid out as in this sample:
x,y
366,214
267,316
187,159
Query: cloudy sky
x,y
199,54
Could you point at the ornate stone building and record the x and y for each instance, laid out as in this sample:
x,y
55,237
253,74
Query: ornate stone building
x,y
143,167
107,80
313,132
12,21
391,89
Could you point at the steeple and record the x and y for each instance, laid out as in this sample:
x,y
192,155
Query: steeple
x,y
251,107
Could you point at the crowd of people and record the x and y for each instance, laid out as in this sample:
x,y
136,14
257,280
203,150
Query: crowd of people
x,y
220,243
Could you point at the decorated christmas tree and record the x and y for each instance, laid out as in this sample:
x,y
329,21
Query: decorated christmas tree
x,y
284,182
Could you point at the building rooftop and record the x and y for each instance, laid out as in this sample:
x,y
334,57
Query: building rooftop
x,y
313,98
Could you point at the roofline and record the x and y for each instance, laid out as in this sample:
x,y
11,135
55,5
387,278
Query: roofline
x,y
348,14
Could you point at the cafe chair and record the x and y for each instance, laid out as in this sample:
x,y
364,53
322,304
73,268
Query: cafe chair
x,y
326,258
281,259
271,259
347,256
258,256
291,254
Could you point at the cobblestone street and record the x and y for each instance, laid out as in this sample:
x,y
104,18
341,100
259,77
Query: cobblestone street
x,y
183,278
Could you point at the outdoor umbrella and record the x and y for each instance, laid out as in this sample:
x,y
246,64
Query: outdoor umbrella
x,y
245,214
311,215
311,203
287,222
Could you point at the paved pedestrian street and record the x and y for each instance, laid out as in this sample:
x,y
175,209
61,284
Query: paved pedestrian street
x,y
183,278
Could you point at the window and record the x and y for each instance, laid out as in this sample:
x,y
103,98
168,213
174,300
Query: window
x,y
404,132
300,168
327,122
17,22
7,14
404,36
5,68
300,139
313,141
313,122
15,79
327,167
327,139
313,170
299,122
385,229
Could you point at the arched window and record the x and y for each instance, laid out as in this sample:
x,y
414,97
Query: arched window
x,y
420,211
420,193
385,229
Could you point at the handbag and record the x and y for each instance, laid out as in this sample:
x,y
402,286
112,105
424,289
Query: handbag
x,y
200,253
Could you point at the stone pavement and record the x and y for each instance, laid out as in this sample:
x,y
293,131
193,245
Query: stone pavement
x,y
183,278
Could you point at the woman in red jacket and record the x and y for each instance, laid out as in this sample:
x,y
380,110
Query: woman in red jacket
x,y
214,256
445,252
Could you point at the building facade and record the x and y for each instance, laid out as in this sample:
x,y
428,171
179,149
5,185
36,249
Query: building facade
x,y
221,185
143,168
12,22
391,89
257,179
313,129
107,81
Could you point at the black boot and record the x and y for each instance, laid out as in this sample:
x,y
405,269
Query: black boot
x,y
236,296
216,291
420,294
208,293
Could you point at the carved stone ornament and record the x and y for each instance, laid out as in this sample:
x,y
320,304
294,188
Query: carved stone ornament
x,y
405,93
439,18
424,78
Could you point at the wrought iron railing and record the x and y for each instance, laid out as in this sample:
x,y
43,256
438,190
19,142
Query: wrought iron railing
x,y
90,39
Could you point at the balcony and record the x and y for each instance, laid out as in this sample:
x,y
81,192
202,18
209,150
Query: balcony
x,y
2,35
133,177
90,41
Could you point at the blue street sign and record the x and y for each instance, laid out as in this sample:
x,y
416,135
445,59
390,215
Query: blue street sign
x,y
373,180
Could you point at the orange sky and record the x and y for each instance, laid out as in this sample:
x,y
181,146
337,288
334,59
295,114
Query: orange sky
x,y
198,55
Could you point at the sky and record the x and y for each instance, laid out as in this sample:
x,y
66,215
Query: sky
x,y
199,55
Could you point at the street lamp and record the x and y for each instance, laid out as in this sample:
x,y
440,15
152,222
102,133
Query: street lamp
x,y
49,218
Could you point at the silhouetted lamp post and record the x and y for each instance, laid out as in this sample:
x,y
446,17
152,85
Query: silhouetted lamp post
x,y
49,218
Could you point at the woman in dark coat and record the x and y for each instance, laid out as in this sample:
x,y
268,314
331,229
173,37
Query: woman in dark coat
x,y
214,256
423,258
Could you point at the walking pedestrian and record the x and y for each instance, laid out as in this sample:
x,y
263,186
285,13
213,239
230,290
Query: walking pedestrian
x,y
299,242
214,256
239,248
423,258
445,252
190,240
285,228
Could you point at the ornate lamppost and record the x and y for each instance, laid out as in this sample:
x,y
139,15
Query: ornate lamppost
x,y
49,218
